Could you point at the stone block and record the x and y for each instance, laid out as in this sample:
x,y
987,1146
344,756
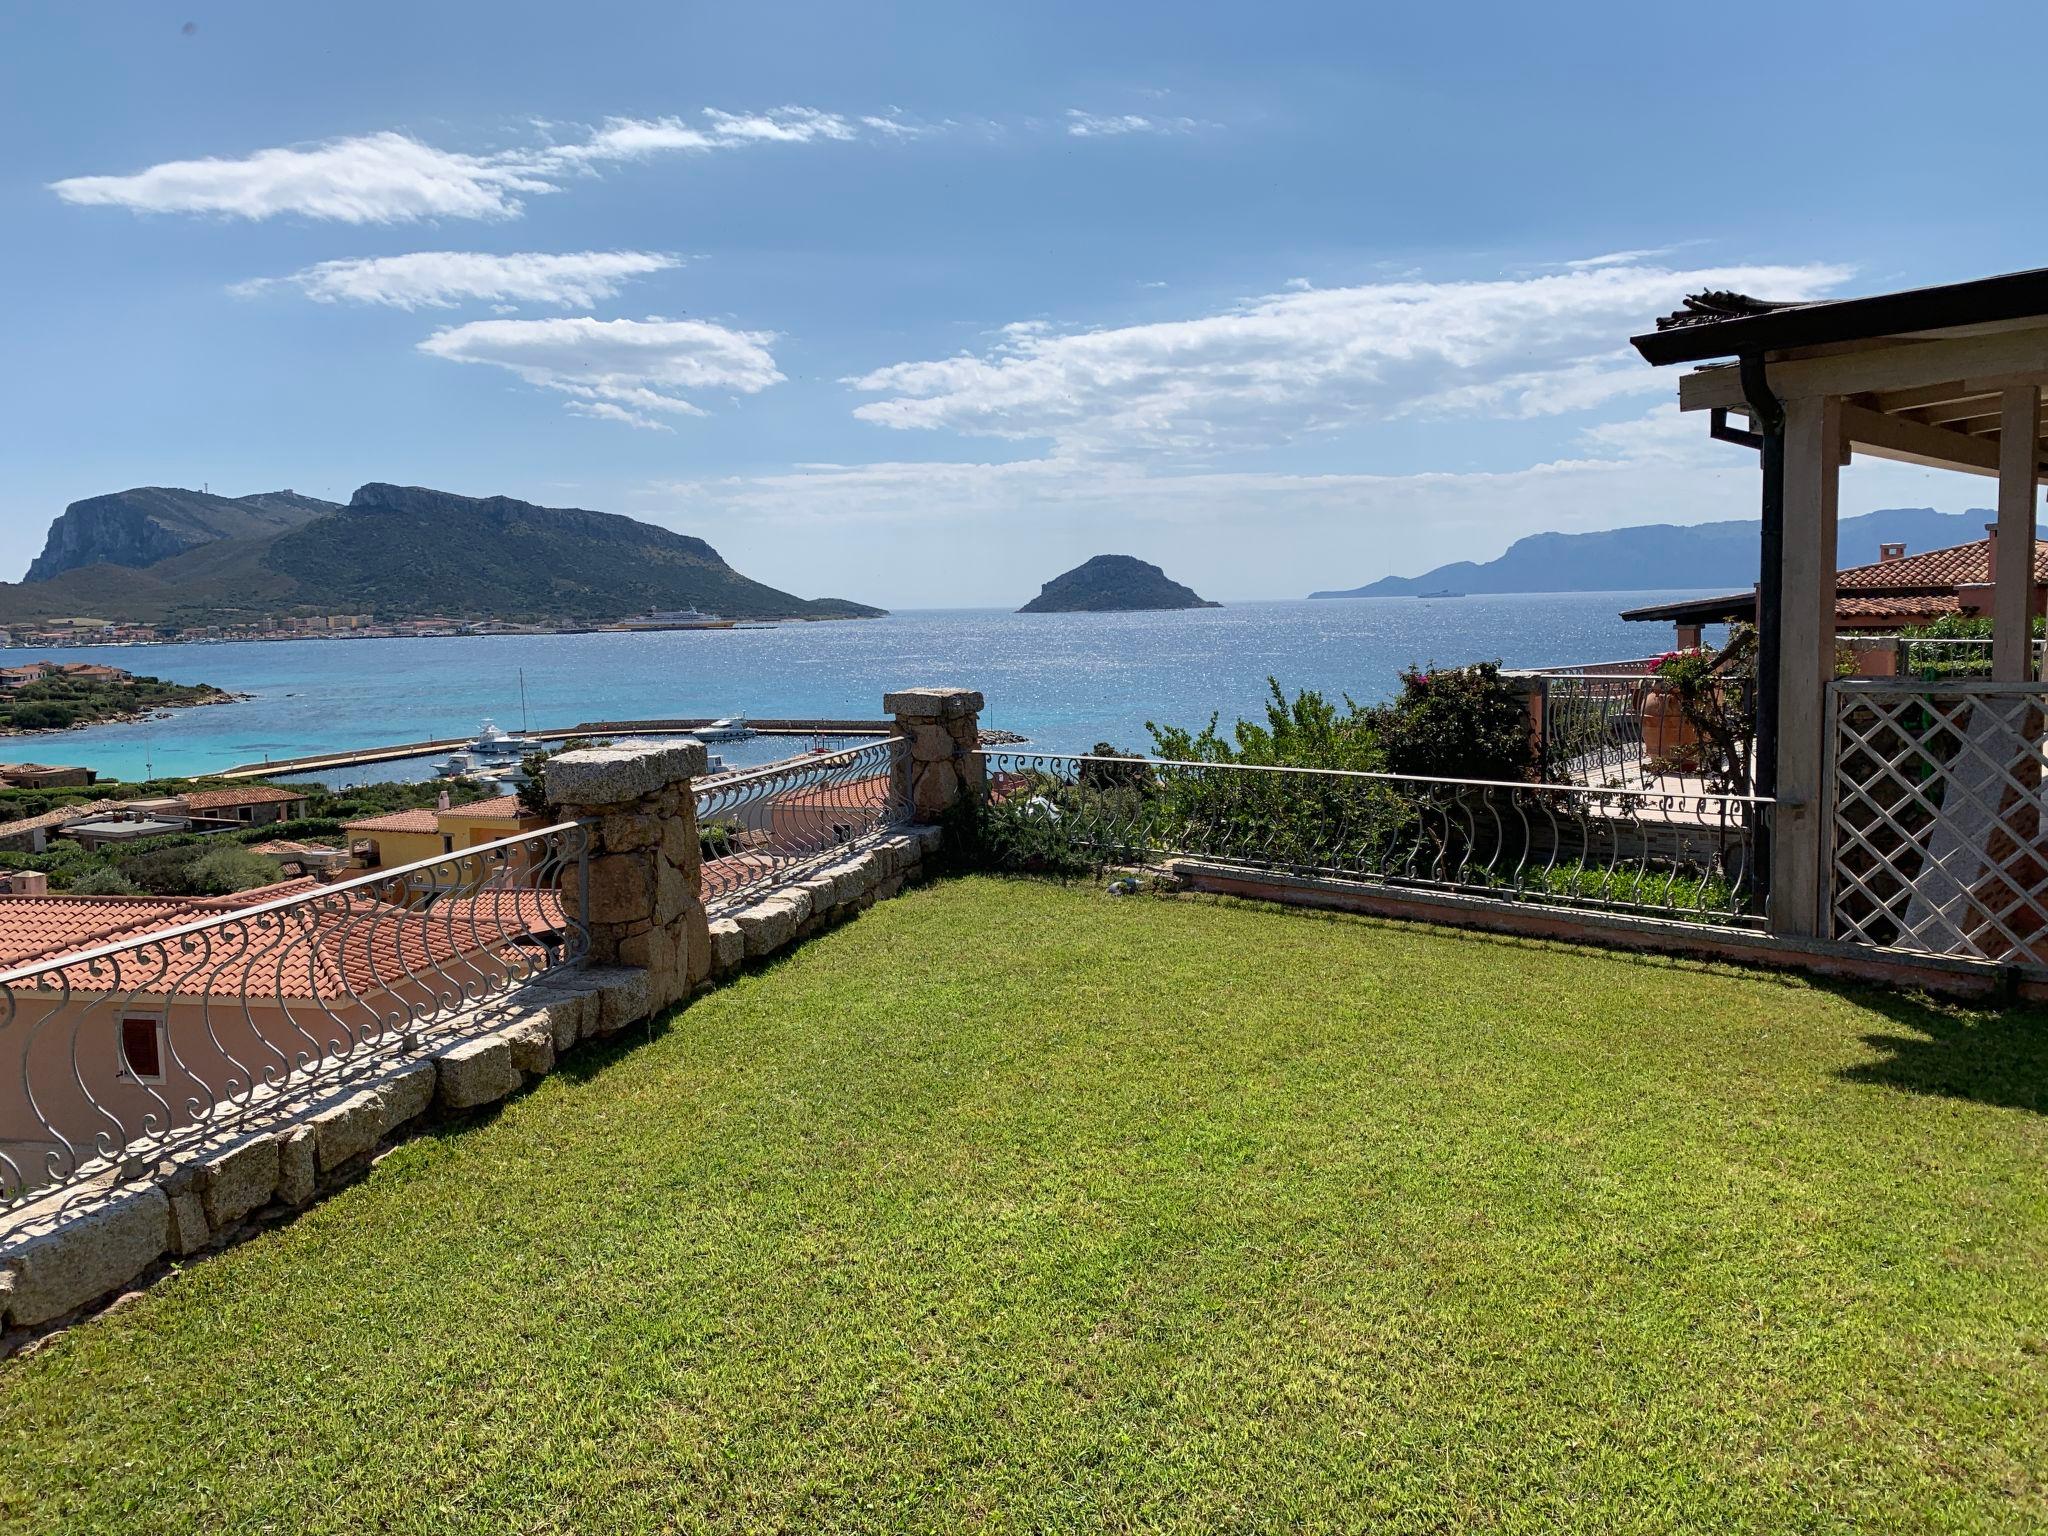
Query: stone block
x,y
532,1042
625,831
569,1016
621,887
769,925
296,1178
728,947
407,1093
188,1231
931,703
615,775
931,743
893,886
929,839
237,1179
935,790
347,1128
623,998
696,946
674,891
97,1246
475,1072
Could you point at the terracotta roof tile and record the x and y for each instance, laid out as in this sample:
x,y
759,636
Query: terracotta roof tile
x,y
253,794
1934,570
419,819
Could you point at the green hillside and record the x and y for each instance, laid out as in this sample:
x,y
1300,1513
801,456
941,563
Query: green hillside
x,y
392,551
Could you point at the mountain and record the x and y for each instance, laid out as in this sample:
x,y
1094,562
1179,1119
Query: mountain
x,y
159,556
153,522
1653,555
1113,584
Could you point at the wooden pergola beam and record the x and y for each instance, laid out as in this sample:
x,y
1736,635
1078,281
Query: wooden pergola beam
x,y
2010,356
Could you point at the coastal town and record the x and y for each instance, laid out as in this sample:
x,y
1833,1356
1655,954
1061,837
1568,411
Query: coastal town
x,y
343,626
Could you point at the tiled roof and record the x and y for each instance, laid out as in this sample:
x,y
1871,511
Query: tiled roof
x,y
254,794
349,947
78,810
1906,608
427,819
1936,570
420,819
503,808
1716,304
34,927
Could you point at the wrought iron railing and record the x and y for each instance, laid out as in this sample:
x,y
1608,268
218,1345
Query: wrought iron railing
x,y
1616,730
1676,855
1936,818
212,1012
763,826
1935,657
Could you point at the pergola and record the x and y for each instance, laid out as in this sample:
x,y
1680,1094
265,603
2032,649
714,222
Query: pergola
x,y
1949,377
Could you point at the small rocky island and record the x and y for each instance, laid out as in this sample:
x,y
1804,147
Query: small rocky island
x,y
1114,584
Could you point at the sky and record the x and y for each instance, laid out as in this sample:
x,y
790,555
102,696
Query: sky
x,y
922,304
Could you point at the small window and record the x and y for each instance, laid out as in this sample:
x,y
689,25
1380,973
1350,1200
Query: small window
x,y
447,842
142,1048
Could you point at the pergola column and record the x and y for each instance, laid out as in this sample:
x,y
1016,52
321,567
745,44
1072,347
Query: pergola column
x,y
1806,664
2012,578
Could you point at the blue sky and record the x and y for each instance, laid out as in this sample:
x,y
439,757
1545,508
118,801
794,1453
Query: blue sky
x,y
921,304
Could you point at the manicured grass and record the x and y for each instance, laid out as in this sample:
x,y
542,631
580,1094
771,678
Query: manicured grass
x,y
1020,1207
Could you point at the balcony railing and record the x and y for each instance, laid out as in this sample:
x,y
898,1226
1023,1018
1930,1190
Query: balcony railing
x,y
1684,856
764,826
115,1056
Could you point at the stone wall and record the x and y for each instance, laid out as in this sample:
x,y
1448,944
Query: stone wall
x,y
651,946
941,763
641,812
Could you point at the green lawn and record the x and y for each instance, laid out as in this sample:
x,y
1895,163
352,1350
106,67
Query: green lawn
x,y
1019,1207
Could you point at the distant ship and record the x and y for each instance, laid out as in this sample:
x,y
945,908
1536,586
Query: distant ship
x,y
676,618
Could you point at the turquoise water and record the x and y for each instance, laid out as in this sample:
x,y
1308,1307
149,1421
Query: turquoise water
x,y
1064,680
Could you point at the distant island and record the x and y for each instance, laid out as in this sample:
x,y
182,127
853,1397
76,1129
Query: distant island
x,y
1113,584
187,564
1660,555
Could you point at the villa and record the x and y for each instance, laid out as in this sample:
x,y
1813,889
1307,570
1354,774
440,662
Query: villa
x,y
1894,591
403,837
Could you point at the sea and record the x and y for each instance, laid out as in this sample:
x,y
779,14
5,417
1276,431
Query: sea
x,y
1064,681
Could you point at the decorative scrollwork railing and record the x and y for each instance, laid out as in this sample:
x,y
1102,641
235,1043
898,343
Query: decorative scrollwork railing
x,y
1685,856
198,1014
763,826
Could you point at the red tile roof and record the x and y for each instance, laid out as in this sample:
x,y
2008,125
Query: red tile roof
x,y
1935,570
503,808
427,819
419,819
1902,608
253,794
348,948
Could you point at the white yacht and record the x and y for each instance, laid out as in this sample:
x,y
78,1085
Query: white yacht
x,y
495,741
732,728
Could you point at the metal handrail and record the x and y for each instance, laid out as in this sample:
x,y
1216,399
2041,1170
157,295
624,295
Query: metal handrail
x,y
277,904
764,827
1385,777
133,1048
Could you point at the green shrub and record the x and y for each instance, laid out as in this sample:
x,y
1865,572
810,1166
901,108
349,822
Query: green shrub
x,y
104,881
1457,723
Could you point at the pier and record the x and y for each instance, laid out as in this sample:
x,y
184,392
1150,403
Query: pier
x,y
678,727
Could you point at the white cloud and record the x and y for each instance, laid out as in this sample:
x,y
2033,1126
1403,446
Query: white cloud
x,y
379,178
390,178
1106,125
1238,534
441,279
633,371
1297,362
